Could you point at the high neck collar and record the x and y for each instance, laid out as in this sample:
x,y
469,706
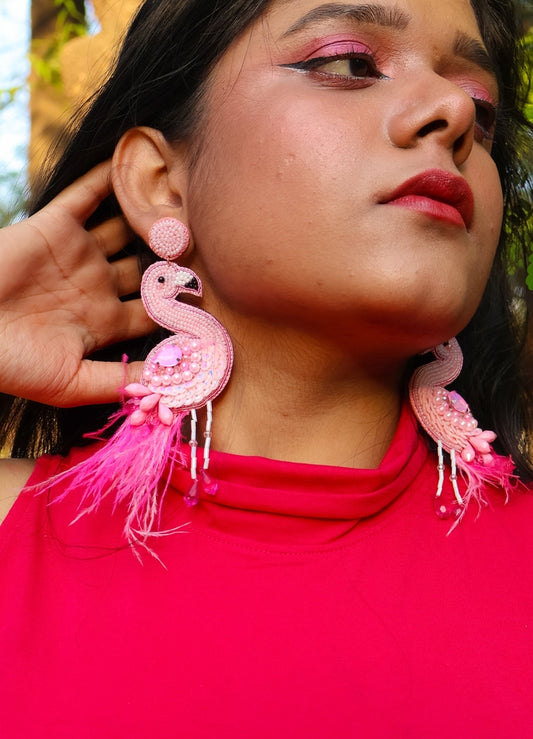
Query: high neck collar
x,y
312,492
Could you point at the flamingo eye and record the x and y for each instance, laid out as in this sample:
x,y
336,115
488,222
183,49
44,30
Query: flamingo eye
x,y
161,279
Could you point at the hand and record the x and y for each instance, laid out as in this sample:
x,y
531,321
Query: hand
x,y
60,300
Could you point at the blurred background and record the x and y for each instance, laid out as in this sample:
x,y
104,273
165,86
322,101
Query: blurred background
x,y
54,54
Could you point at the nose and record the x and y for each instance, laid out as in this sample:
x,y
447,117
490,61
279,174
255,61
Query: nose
x,y
430,107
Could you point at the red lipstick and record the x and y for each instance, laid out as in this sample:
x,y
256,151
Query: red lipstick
x,y
438,194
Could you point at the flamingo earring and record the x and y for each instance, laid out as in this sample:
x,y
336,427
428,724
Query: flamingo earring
x,y
446,418
182,374
188,370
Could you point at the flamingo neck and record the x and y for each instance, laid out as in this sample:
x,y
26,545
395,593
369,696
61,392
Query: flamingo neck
x,y
180,317
440,372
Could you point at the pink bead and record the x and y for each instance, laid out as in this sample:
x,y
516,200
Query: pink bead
x,y
487,435
468,454
149,402
136,390
209,485
480,444
193,496
165,415
458,401
137,418
447,510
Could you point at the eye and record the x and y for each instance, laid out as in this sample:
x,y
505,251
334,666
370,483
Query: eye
x,y
161,279
350,69
347,65
485,119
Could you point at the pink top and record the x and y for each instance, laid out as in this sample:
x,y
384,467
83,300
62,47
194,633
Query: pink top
x,y
300,601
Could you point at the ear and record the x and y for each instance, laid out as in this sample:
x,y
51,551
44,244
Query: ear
x,y
150,178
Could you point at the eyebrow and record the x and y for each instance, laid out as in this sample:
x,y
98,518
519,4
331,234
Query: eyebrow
x,y
377,15
473,51
465,46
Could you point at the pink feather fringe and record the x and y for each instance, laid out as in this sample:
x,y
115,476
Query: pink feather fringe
x,y
134,465
499,473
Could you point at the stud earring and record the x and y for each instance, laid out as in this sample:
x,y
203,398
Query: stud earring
x,y
183,373
446,418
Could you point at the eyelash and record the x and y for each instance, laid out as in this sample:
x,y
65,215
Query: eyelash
x,y
312,66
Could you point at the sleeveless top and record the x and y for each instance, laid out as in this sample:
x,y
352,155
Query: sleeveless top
x,y
299,601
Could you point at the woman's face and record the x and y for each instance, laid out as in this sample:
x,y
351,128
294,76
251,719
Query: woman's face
x,y
344,184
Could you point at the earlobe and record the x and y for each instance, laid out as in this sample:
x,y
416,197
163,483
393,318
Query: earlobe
x,y
149,178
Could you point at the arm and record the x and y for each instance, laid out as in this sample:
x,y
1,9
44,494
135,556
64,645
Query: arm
x,y
60,300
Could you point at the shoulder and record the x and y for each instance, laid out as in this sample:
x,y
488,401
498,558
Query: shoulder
x,y
14,474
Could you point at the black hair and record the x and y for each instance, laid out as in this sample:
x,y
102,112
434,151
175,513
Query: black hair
x,y
496,377
159,81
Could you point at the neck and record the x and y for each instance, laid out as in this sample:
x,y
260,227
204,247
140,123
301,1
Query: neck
x,y
297,400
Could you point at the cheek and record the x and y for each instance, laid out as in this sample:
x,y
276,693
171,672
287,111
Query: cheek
x,y
259,142
264,182
488,214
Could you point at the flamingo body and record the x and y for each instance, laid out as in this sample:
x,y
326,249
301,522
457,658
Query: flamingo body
x,y
197,374
191,367
444,414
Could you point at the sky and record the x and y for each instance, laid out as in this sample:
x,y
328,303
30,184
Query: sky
x,y
14,67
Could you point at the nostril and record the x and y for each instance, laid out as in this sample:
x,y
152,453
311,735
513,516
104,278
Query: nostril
x,y
459,143
436,125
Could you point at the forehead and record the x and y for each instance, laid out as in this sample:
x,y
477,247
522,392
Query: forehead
x,y
398,14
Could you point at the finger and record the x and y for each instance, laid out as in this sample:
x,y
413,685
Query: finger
x,y
131,321
136,320
112,235
99,382
83,196
127,275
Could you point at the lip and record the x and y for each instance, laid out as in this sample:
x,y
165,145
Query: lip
x,y
437,194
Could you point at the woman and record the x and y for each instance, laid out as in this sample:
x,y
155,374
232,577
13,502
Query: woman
x,y
340,169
